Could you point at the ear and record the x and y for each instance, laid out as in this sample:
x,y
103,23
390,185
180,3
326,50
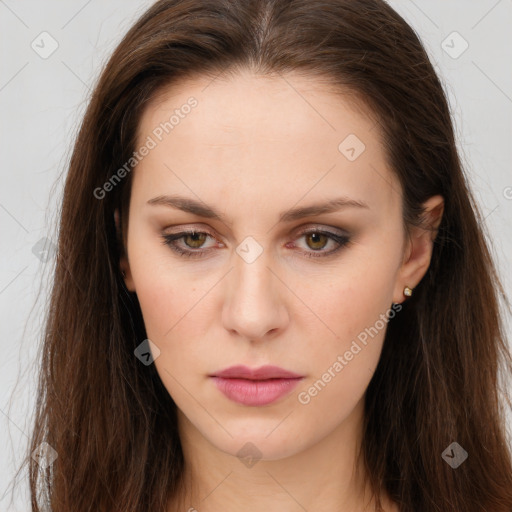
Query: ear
x,y
418,248
124,264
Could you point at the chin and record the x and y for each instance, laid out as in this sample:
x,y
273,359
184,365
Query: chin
x,y
268,439
252,449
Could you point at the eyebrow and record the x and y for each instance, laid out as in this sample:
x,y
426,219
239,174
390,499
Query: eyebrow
x,y
201,209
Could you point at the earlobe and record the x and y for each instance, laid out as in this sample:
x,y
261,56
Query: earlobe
x,y
419,248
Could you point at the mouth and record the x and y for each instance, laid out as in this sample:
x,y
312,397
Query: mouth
x,y
255,387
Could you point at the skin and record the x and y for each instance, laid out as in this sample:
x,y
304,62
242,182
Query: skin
x,y
253,147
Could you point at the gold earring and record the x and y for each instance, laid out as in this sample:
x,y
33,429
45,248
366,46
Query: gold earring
x,y
407,291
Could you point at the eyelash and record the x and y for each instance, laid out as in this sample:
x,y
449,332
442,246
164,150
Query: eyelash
x,y
171,239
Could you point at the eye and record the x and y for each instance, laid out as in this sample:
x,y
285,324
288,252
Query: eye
x,y
192,240
317,240
191,243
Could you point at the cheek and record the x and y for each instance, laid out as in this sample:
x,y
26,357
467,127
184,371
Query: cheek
x,y
342,366
170,308
176,308
164,294
352,316
355,298
168,304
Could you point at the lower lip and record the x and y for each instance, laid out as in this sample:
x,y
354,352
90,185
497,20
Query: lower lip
x,y
255,392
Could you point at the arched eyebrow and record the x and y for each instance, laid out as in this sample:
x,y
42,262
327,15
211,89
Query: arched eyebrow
x,y
201,209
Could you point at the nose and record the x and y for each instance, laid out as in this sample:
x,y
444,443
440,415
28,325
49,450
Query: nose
x,y
255,306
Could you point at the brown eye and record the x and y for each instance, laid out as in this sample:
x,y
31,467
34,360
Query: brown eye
x,y
191,243
318,240
187,243
195,239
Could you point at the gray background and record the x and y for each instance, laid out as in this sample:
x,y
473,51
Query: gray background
x,y
42,99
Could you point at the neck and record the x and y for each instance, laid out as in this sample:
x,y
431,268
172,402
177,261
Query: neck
x,y
327,475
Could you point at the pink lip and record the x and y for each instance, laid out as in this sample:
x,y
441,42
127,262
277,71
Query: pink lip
x,y
261,373
256,387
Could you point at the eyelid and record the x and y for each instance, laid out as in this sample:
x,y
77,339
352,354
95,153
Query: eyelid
x,y
336,235
321,228
340,238
189,231
298,232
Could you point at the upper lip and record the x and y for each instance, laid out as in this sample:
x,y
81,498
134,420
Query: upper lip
x,y
261,373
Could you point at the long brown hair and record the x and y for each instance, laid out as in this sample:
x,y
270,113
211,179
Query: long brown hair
x,y
110,419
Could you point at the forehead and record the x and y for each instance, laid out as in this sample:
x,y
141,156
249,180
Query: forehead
x,y
286,134
246,108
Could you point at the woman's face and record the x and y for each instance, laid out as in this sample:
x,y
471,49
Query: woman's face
x,y
274,277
